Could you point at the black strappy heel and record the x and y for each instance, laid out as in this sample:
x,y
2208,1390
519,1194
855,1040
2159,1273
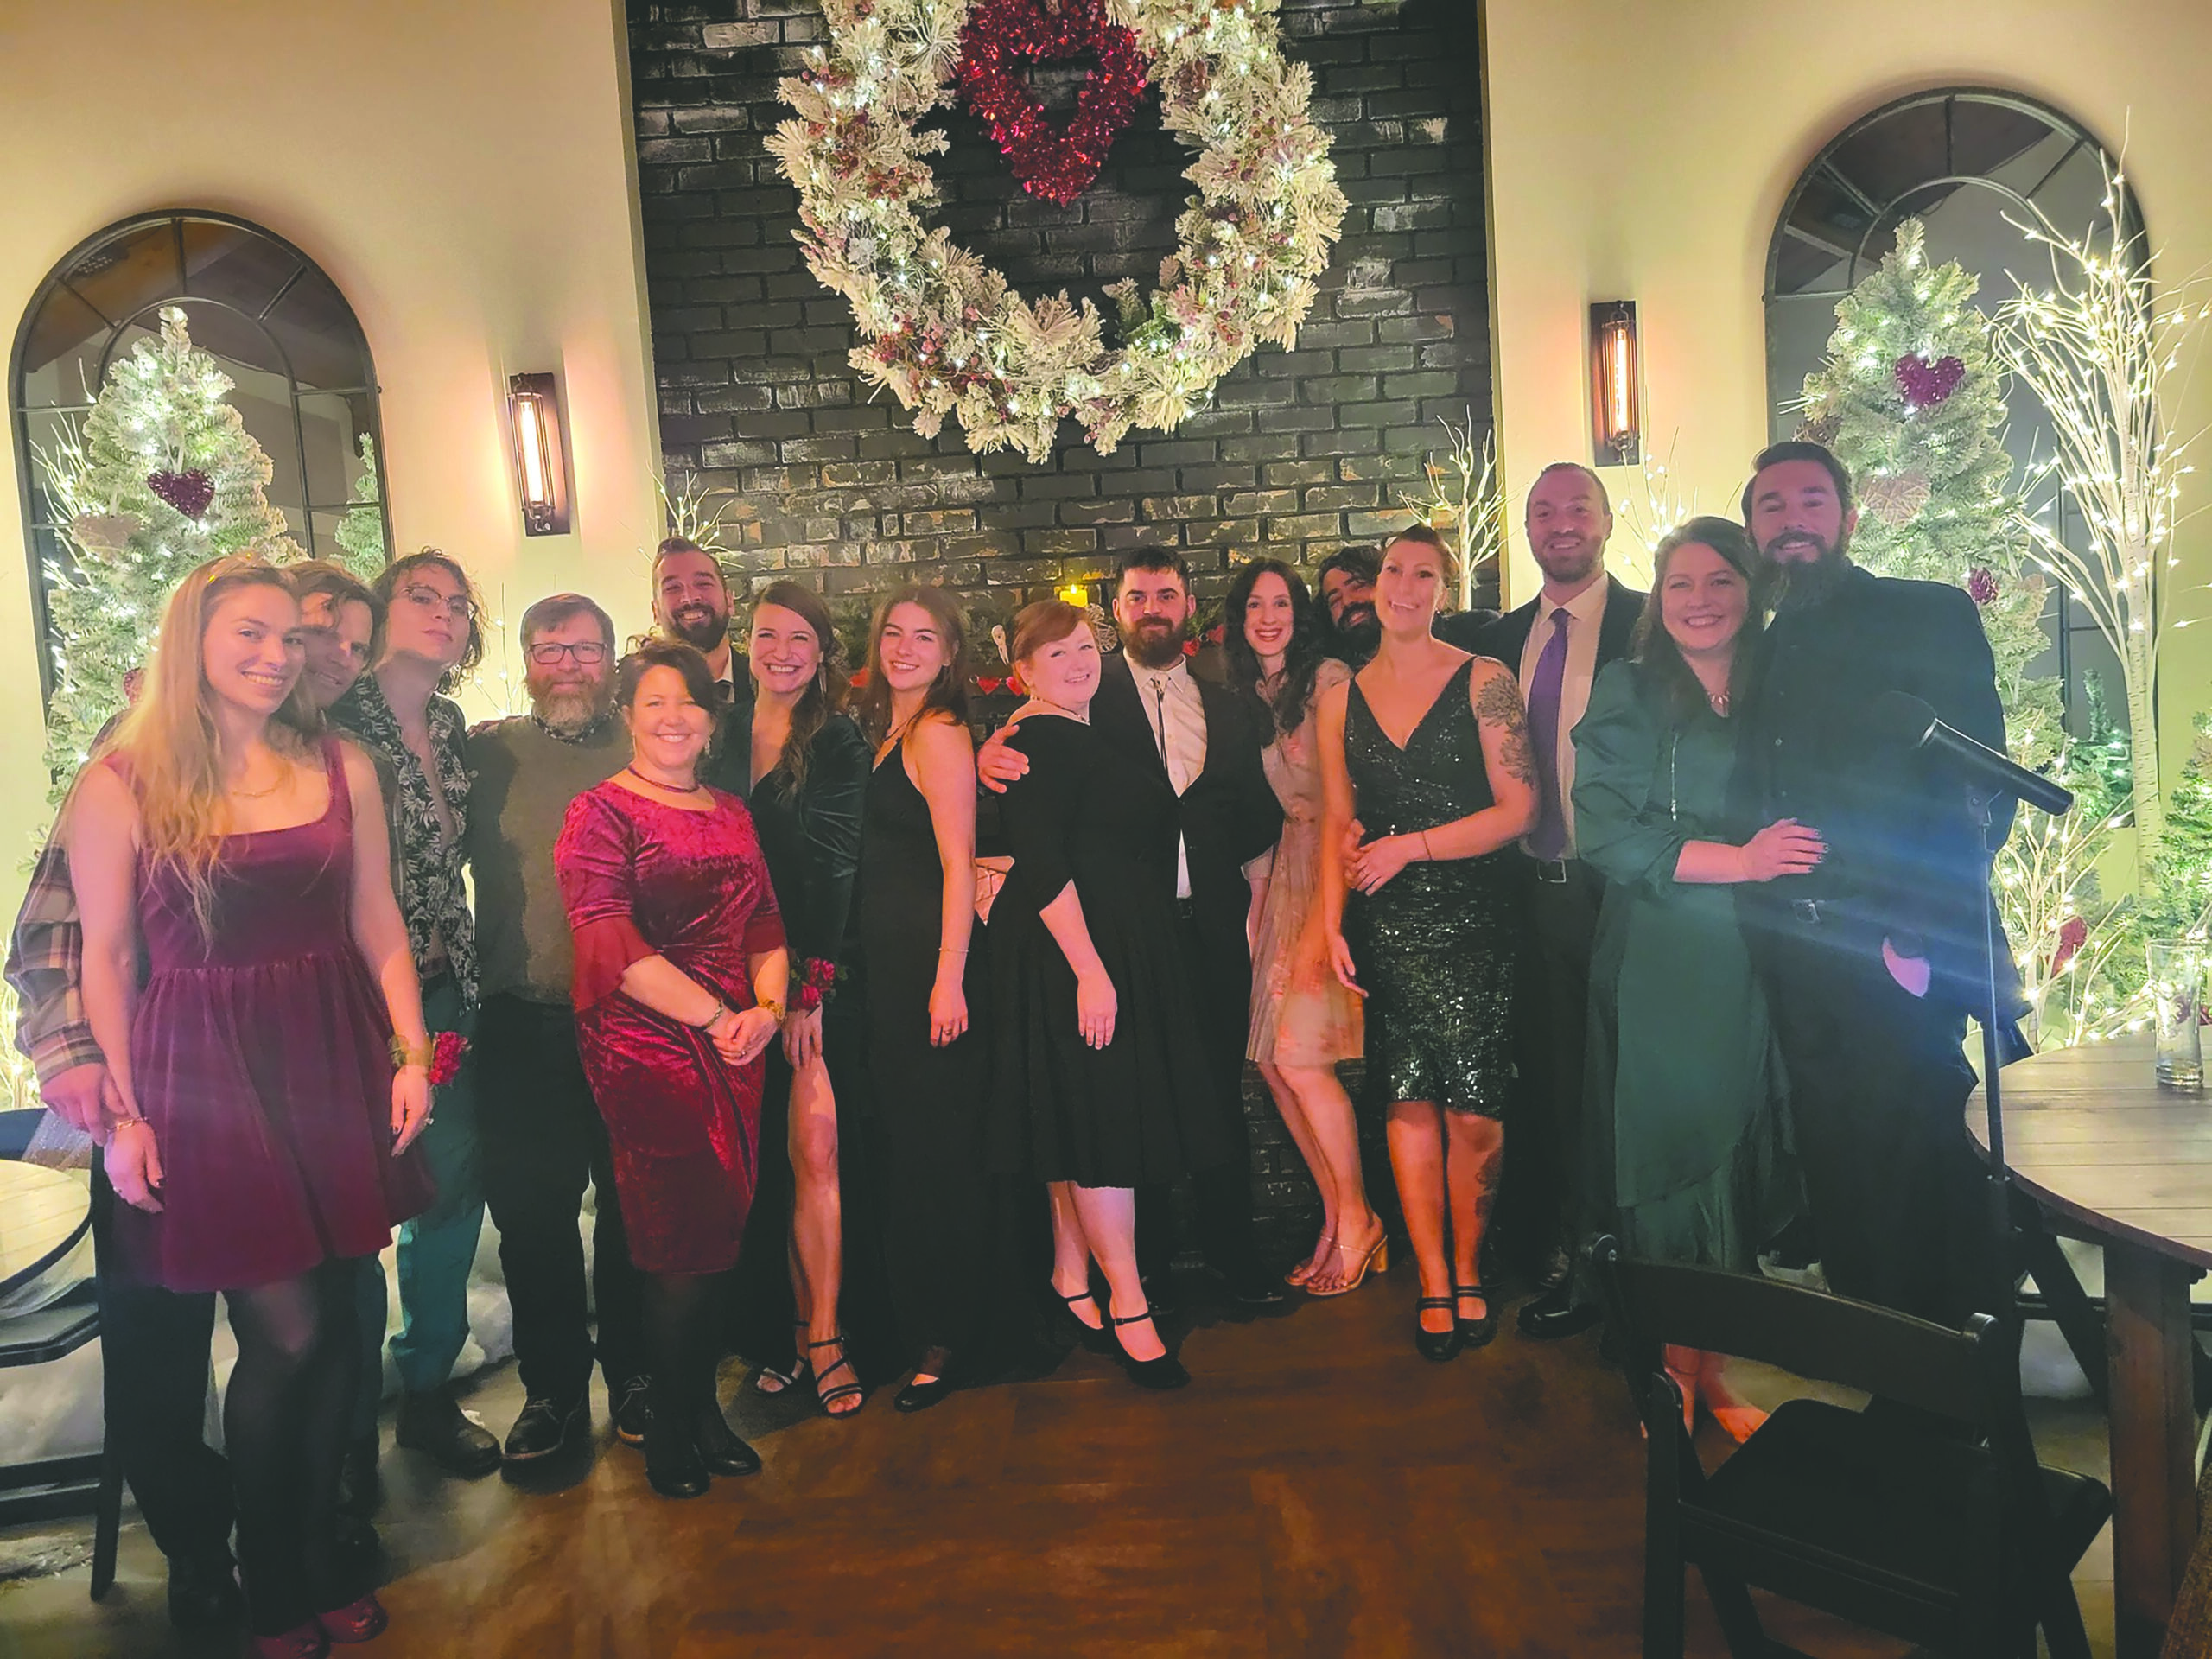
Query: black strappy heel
x,y
1096,1337
1165,1372
851,1390
1477,1333
784,1380
1439,1345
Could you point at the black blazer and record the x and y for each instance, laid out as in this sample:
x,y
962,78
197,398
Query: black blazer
x,y
1230,814
1904,854
728,764
1508,636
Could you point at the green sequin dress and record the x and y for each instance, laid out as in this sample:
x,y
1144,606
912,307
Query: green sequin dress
x,y
1688,1134
1437,946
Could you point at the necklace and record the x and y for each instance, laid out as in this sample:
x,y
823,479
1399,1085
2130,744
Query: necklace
x,y
283,777
1718,700
673,789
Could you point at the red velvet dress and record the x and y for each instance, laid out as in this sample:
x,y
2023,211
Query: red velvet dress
x,y
641,878
261,1055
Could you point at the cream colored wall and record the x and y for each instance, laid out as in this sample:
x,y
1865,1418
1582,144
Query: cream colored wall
x,y
1644,151
461,170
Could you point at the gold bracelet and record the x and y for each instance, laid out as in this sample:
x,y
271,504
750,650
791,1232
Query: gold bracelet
x,y
403,1056
774,1008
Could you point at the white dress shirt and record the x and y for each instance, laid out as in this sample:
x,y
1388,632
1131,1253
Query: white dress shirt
x,y
1586,614
1177,718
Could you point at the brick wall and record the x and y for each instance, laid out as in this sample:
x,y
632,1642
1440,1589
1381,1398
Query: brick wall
x,y
1301,451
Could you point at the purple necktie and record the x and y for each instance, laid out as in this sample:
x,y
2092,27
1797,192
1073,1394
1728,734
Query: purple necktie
x,y
1548,839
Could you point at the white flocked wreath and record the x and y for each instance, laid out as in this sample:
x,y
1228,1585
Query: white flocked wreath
x,y
944,330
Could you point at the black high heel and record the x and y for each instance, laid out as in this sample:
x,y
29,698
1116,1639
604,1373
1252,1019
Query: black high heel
x,y
1096,1338
1477,1334
1165,1372
1439,1345
830,1393
920,1397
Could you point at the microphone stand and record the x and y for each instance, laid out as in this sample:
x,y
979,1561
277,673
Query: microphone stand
x,y
1992,1093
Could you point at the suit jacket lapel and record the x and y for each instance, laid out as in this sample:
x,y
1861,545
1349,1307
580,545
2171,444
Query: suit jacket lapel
x,y
1119,713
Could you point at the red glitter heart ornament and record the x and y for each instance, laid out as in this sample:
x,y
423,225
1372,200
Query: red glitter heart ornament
x,y
1924,383
188,493
1057,164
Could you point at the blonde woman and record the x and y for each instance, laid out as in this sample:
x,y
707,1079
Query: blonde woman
x,y
262,1146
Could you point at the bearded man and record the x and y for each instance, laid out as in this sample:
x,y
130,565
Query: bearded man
x,y
691,603
1872,960
539,1130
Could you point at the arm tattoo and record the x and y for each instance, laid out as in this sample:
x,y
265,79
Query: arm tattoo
x,y
1498,703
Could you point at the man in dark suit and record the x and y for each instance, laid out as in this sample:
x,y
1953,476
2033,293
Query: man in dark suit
x,y
1873,960
1581,620
1207,741
691,604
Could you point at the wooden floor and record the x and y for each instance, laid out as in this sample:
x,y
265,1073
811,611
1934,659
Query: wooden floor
x,y
1318,1489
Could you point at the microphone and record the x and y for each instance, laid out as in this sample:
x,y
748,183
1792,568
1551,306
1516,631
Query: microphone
x,y
1897,720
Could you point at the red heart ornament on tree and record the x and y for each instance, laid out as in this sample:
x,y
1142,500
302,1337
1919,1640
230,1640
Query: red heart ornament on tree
x,y
1057,164
188,493
1924,383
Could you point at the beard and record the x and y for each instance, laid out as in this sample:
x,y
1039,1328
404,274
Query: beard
x,y
1797,584
703,632
1153,645
570,712
1360,630
1569,564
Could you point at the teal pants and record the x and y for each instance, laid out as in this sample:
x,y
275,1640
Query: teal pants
x,y
437,1248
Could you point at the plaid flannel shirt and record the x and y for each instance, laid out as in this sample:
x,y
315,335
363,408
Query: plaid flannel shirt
x,y
46,967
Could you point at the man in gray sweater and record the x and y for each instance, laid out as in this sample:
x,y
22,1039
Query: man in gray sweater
x,y
540,1131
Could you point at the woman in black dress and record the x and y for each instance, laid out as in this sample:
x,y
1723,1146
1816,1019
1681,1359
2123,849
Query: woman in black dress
x,y
1427,749
809,771
1102,1083
919,952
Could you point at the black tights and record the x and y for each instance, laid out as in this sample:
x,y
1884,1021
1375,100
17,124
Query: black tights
x,y
285,1419
682,1321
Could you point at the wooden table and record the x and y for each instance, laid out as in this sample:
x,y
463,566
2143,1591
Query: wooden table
x,y
2089,1134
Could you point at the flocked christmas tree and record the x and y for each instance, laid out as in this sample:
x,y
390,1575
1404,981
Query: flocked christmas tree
x,y
162,477
361,546
1911,399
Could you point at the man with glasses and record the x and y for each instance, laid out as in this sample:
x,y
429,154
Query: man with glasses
x,y
433,635
539,1130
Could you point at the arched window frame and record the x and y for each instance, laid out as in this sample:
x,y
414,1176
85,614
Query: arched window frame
x,y
1863,258
36,526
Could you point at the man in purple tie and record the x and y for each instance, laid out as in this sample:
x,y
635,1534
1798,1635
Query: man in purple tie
x,y
1579,621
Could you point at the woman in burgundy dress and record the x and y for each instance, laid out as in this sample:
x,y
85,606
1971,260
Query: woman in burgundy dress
x,y
680,982
263,1146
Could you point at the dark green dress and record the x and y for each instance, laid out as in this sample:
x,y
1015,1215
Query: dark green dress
x,y
1688,1130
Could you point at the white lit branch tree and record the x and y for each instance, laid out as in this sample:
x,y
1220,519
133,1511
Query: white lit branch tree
x,y
162,476
2099,350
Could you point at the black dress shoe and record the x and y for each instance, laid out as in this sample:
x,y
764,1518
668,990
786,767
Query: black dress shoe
x,y
920,1397
204,1592
359,1548
360,1491
1555,1314
1161,1373
720,1449
1438,1345
545,1426
674,1467
1255,1287
1476,1333
435,1424
633,1405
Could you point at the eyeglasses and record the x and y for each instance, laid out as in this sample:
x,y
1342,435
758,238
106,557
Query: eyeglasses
x,y
430,598
546,652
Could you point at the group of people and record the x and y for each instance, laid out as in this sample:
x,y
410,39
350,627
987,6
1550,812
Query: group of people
x,y
1628,926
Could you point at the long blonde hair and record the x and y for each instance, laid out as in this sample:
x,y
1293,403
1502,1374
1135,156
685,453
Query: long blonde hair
x,y
168,737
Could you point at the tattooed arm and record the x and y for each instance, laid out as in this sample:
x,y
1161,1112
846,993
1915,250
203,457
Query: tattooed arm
x,y
1500,718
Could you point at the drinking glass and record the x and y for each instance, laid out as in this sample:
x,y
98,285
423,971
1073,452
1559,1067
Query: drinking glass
x,y
2177,1002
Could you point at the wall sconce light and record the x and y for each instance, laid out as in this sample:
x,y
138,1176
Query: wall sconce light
x,y
541,465
1615,385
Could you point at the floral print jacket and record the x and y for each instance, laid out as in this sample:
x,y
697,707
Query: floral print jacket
x,y
432,895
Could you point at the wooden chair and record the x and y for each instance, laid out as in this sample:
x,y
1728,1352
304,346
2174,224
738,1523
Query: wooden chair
x,y
1933,1523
